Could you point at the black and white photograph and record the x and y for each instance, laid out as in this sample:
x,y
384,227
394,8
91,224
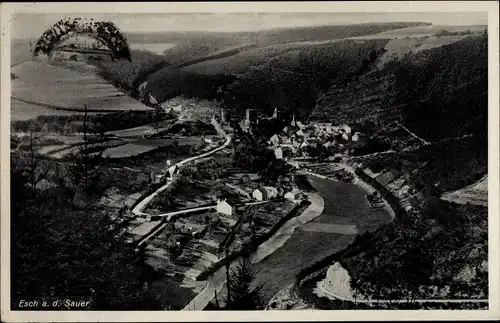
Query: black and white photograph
x,y
263,160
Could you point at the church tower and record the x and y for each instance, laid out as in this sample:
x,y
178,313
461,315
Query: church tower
x,y
275,114
294,123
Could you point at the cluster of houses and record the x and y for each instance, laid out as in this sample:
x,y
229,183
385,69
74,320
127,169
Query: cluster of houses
x,y
227,205
295,139
397,183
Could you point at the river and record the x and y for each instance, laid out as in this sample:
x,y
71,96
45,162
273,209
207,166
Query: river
x,y
346,213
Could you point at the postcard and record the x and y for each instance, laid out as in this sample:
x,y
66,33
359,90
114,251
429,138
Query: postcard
x,y
235,161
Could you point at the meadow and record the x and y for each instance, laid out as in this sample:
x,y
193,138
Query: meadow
x,y
40,83
156,48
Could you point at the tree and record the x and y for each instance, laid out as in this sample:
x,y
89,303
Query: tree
x,y
86,167
33,168
243,296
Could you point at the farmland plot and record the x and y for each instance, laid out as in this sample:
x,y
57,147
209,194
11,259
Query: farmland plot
x,y
27,111
40,83
157,48
141,146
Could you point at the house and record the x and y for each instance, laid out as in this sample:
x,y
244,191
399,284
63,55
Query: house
x,y
304,144
312,141
283,152
289,146
296,143
226,206
305,133
275,140
295,195
265,193
329,145
295,164
323,125
346,129
345,136
355,137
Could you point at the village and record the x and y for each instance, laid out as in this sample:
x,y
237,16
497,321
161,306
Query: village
x,y
237,210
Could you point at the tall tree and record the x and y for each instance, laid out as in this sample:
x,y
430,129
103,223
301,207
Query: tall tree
x,y
86,167
243,295
34,170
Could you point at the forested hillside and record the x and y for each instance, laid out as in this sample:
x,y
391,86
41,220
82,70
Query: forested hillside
x,y
441,250
294,80
443,92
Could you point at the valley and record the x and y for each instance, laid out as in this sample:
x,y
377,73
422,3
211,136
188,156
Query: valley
x,y
359,147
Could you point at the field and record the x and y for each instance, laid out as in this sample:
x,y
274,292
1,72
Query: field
x,y
20,50
56,87
397,48
422,31
476,193
141,146
241,62
28,111
156,48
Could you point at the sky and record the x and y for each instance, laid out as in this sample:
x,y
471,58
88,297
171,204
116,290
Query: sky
x,y
29,25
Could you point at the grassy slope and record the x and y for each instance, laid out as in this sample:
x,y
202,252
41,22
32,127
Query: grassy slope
x,y
300,75
194,48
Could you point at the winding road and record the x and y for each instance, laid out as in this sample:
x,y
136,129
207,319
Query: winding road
x,y
138,209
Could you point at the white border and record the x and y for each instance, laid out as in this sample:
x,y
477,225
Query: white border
x,y
307,6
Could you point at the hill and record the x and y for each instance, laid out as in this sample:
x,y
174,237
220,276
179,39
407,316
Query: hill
x,y
300,75
194,48
70,87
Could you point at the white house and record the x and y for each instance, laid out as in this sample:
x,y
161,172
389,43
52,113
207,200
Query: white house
x,y
345,136
283,152
355,137
226,207
294,195
265,193
275,140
